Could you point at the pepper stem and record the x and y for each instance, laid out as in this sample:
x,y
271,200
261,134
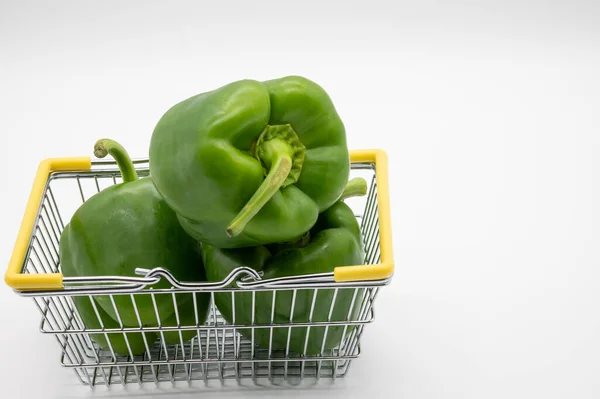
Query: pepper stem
x,y
354,188
277,175
281,154
103,147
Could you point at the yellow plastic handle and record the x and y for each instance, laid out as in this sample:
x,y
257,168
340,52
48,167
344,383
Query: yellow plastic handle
x,y
13,276
386,268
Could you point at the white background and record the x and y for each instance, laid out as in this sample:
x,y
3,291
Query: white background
x,y
489,112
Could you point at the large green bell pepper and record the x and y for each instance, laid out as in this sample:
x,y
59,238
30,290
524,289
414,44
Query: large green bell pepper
x,y
128,226
251,163
335,240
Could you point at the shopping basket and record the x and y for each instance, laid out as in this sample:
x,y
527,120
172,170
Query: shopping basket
x,y
219,349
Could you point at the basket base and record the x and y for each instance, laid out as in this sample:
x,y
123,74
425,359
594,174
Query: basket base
x,y
223,355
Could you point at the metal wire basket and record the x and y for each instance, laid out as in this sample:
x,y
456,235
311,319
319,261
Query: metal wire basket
x,y
188,349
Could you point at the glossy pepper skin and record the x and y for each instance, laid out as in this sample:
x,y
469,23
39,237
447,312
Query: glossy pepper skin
x,y
335,240
251,163
128,226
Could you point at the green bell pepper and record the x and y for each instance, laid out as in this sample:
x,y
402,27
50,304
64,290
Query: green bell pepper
x,y
335,240
251,163
126,226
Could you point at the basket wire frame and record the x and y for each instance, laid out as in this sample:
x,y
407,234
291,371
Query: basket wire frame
x,y
218,350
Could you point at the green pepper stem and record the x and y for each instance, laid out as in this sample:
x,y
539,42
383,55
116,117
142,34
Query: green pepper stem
x,y
354,188
103,147
278,172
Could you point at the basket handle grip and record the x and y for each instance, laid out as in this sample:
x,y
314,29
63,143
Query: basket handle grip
x,y
14,277
385,268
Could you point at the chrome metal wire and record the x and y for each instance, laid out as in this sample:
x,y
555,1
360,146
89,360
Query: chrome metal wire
x,y
220,349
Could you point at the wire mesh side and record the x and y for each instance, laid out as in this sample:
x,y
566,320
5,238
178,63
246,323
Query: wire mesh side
x,y
215,353
312,332
258,345
216,348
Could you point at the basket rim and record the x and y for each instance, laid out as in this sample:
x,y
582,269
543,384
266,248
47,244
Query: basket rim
x,y
54,168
